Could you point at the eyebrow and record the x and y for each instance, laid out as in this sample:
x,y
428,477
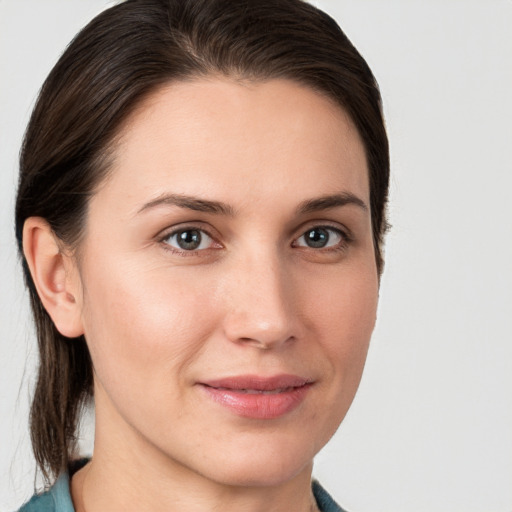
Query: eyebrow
x,y
220,208
331,201
191,203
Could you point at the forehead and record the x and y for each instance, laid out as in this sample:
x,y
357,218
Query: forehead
x,y
237,141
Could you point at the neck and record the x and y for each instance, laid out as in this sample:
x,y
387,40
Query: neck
x,y
98,487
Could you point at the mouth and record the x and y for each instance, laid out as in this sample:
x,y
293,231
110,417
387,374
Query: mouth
x,y
259,391
256,397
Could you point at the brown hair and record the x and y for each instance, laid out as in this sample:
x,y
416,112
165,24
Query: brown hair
x,y
119,58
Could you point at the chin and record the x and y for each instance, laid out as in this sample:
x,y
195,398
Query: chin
x,y
270,474
264,464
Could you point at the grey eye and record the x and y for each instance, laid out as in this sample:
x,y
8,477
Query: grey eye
x,y
189,240
316,238
320,237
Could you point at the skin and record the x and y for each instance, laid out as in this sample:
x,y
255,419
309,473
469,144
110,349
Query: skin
x,y
253,299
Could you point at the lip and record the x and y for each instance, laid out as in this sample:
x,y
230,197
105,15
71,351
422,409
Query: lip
x,y
257,397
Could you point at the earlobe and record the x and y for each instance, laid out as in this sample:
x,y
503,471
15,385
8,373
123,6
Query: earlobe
x,y
55,276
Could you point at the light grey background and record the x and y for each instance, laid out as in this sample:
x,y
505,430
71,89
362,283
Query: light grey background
x,y
431,427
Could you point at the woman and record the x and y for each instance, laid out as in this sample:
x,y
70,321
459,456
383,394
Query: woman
x,y
201,209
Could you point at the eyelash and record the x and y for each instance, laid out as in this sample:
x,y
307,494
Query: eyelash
x,y
345,240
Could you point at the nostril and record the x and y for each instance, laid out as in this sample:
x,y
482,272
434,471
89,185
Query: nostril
x,y
266,343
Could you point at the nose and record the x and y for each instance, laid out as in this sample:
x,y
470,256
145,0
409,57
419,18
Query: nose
x,y
260,305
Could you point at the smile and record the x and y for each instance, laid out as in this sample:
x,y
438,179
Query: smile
x,y
259,391
258,397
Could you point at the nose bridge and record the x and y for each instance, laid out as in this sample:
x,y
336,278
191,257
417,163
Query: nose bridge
x,y
260,305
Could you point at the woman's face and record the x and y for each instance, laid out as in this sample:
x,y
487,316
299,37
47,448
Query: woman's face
x,y
228,280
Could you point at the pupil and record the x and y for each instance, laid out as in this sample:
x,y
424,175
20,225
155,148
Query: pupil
x,y
317,237
189,240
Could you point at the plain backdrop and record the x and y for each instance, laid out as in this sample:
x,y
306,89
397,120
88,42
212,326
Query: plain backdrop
x,y
431,426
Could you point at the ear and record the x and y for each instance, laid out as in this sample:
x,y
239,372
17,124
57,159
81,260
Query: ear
x,y
55,276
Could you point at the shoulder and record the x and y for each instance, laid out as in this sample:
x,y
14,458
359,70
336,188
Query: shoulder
x,y
324,500
39,503
56,499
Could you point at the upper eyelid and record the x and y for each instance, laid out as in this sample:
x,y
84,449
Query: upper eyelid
x,y
185,226
335,226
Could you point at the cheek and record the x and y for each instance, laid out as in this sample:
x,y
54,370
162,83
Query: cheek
x,y
344,310
143,323
341,310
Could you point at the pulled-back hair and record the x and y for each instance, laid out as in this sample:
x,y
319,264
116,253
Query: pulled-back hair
x,y
117,60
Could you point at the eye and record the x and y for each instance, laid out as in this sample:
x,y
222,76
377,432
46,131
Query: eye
x,y
321,237
189,239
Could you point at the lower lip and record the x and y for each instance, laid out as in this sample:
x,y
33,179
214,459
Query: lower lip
x,y
258,405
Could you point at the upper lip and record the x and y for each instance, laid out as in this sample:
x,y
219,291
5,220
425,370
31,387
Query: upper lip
x,y
257,382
